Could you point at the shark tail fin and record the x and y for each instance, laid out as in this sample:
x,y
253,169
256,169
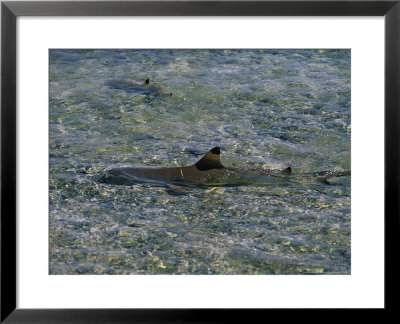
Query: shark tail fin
x,y
344,173
324,176
210,161
288,170
337,174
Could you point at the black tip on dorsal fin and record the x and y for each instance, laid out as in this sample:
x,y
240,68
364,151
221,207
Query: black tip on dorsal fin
x,y
216,150
287,170
210,161
147,81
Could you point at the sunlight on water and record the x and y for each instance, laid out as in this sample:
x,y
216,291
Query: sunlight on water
x,y
265,109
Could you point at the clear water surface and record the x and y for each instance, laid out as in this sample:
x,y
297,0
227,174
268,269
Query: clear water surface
x,y
264,108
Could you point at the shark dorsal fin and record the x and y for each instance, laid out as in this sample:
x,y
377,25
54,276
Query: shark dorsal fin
x,y
210,161
146,82
287,170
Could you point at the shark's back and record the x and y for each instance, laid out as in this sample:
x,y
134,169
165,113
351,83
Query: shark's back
x,y
210,171
131,86
189,174
204,171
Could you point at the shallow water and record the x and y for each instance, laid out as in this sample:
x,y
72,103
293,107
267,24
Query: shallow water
x,y
265,109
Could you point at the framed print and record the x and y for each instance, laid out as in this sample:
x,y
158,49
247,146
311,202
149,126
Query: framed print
x,y
180,160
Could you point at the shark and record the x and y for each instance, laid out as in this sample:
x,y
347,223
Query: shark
x,y
143,88
209,171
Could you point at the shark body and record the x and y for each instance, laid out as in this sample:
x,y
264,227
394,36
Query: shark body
x,y
142,88
209,171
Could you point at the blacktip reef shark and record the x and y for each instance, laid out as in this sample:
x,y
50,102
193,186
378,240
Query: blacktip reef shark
x,y
208,171
142,88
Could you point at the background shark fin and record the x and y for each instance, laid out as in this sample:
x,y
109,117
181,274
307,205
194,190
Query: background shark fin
x,y
210,161
287,170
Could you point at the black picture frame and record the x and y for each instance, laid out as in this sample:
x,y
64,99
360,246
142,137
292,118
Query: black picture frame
x,y
10,10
